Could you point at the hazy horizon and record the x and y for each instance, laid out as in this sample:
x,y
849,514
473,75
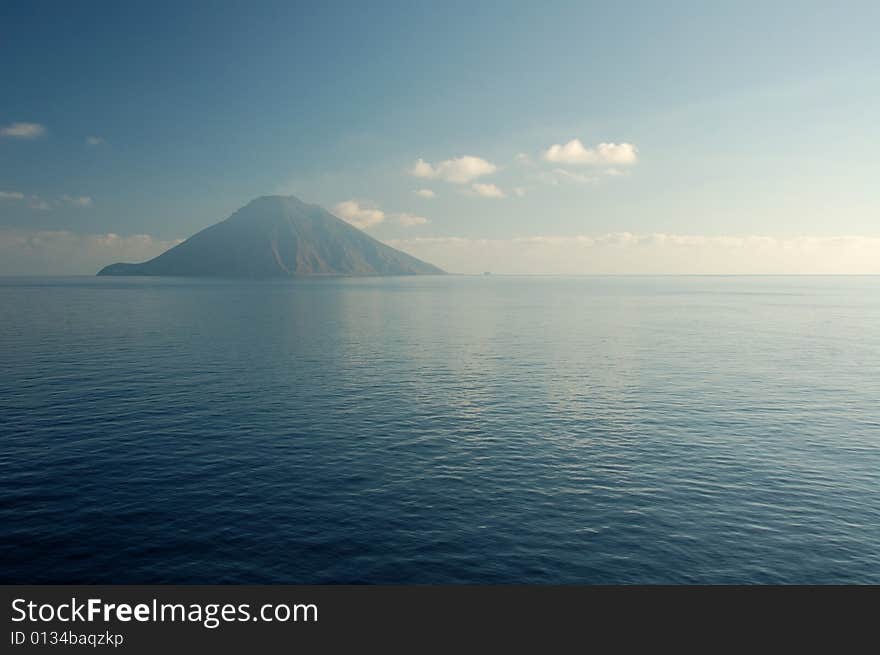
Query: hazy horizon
x,y
570,138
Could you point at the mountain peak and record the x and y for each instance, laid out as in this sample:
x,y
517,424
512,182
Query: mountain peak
x,y
276,199
276,203
276,236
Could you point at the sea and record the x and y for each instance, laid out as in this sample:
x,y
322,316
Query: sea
x,y
443,429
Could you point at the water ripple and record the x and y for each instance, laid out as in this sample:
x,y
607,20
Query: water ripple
x,y
599,430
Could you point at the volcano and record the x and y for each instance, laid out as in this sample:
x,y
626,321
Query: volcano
x,y
278,236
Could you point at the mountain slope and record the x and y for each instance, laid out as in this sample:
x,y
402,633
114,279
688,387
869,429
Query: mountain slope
x,y
277,236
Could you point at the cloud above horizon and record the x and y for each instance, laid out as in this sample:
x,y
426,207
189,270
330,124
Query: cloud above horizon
x,y
658,253
61,252
574,152
461,170
487,190
409,220
94,140
560,175
360,215
36,202
23,130
365,215
78,201
425,193
44,252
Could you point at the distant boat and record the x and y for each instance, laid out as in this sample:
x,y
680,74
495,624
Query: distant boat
x,y
487,273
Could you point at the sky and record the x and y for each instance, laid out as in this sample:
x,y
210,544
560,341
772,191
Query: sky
x,y
514,137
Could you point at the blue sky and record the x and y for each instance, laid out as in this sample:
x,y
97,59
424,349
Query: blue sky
x,y
732,130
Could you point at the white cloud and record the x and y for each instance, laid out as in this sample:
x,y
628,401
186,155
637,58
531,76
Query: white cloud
x,y
461,170
487,190
42,204
409,220
44,252
574,152
23,130
425,193
422,169
519,191
361,216
78,201
94,140
523,158
36,202
559,175
629,253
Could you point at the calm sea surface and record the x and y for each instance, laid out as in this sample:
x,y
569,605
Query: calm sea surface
x,y
440,429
